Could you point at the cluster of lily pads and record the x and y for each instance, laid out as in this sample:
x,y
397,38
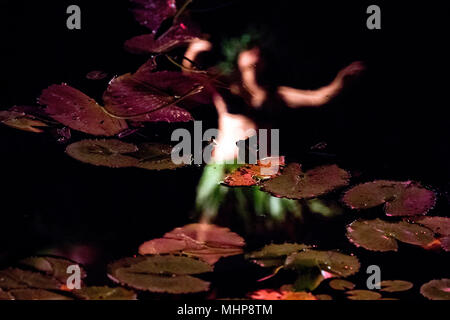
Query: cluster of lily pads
x,y
181,263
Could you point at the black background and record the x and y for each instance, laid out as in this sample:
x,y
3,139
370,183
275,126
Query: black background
x,y
393,123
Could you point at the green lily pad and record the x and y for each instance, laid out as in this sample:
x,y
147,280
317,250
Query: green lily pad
x,y
273,255
378,235
340,284
308,279
53,267
155,156
109,153
105,293
37,294
333,262
395,285
204,241
436,289
293,183
363,295
22,279
400,198
161,274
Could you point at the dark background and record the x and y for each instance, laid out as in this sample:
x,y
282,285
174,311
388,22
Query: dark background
x,y
393,123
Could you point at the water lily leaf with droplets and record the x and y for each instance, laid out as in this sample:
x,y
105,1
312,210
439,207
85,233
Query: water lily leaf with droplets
x,y
105,293
37,294
76,110
340,284
333,262
400,198
110,153
440,225
395,285
274,255
163,274
205,241
252,174
378,235
293,183
363,295
436,289
151,13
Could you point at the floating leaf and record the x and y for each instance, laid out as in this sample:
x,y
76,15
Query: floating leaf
x,y
105,293
378,235
76,110
340,284
275,254
155,156
160,274
400,198
336,263
53,267
436,289
324,297
293,183
363,295
268,294
151,13
440,225
309,277
21,121
22,279
207,242
251,174
109,153
37,294
395,285
96,75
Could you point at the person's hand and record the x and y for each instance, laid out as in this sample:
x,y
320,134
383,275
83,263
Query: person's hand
x,y
352,71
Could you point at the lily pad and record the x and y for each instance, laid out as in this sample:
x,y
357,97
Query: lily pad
x,y
378,235
152,13
400,198
105,293
363,295
155,156
5,295
293,183
207,242
21,121
110,153
395,285
340,284
163,274
445,243
436,289
440,225
274,255
333,262
252,174
76,110
52,266
14,278
37,294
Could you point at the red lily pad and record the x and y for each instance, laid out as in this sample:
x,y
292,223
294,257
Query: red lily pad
x,y
151,13
363,295
21,121
440,225
400,198
153,96
76,110
105,293
252,174
293,183
206,242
